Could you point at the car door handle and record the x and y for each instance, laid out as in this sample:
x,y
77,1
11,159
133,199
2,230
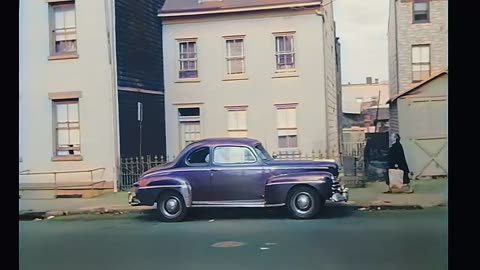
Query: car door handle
x,y
214,170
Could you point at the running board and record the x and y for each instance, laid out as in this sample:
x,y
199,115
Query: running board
x,y
235,204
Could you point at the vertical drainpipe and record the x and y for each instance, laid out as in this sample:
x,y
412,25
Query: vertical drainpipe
x,y
396,45
398,70
110,10
320,13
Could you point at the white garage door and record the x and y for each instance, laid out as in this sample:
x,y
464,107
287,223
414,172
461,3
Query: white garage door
x,y
425,126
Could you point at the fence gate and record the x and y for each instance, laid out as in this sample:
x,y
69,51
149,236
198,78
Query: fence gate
x,y
376,156
431,156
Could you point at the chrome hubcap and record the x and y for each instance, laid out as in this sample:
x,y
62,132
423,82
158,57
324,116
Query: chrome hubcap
x,y
303,201
172,205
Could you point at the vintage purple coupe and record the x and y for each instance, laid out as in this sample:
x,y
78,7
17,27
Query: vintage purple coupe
x,y
236,172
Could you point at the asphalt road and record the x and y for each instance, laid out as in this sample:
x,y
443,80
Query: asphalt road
x,y
341,238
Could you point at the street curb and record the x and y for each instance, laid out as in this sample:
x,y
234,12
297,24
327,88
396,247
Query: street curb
x,y
386,206
367,207
32,215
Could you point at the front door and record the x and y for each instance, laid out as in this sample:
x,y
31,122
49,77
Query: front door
x,y
237,175
189,132
190,128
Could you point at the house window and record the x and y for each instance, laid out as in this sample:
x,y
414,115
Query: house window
x,y
237,122
63,28
235,56
188,60
421,11
67,127
284,52
287,127
420,62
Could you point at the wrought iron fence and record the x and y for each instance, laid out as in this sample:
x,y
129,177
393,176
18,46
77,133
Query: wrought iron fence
x,y
133,168
298,155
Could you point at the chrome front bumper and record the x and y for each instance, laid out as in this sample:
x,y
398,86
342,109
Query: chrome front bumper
x,y
339,193
132,200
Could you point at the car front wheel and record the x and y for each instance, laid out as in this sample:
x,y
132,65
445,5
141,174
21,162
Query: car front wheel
x,y
171,207
304,202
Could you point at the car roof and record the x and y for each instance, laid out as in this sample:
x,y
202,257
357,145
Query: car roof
x,y
224,141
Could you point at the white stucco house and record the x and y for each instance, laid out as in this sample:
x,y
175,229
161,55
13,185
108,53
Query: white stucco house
x,y
75,85
67,108
260,69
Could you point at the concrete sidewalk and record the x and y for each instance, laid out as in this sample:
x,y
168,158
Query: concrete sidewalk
x,y
428,193
110,202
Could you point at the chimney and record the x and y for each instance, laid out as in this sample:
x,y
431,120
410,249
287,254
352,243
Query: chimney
x,y
369,80
376,81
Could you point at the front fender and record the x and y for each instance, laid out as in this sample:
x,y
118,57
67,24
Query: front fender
x,y
277,187
148,190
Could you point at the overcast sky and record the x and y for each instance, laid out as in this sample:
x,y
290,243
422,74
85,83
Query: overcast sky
x,y
362,29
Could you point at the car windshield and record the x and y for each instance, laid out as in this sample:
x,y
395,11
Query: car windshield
x,y
262,153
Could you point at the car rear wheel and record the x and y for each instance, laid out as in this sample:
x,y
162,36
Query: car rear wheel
x,y
304,202
171,207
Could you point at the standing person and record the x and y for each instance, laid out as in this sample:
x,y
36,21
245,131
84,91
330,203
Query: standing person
x,y
396,160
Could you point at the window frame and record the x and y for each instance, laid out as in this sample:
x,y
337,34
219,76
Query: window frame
x,y
414,21
421,63
234,109
229,58
236,163
294,107
292,52
179,60
53,54
56,148
202,164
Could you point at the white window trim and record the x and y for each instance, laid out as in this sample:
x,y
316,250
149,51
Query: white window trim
x,y
177,59
421,63
283,73
237,108
53,55
239,76
286,106
55,156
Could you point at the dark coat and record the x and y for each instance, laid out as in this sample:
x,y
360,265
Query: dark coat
x,y
397,156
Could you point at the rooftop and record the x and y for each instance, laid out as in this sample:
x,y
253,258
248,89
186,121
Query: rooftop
x,y
196,7
417,85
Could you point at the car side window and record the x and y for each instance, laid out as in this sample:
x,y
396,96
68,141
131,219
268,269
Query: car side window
x,y
233,155
199,157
